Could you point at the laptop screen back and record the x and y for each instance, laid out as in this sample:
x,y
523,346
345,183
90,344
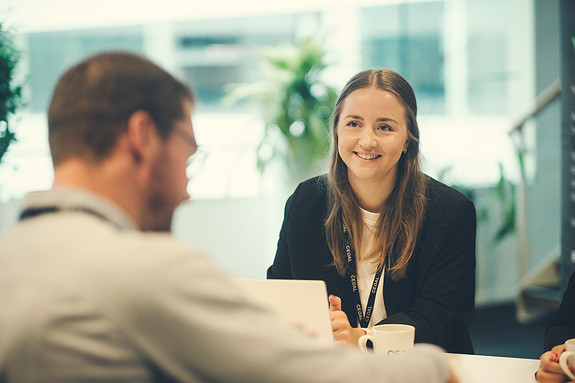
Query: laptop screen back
x,y
303,303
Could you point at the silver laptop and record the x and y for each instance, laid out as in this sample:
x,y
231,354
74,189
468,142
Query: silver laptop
x,y
303,303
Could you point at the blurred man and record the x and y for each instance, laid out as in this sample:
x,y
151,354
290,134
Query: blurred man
x,y
93,288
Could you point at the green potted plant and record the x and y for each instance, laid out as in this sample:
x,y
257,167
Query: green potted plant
x,y
10,94
295,104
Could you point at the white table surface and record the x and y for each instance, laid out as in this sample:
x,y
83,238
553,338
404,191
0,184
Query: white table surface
x,y
493,369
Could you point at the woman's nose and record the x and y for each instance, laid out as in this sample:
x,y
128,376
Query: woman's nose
x,y
367,139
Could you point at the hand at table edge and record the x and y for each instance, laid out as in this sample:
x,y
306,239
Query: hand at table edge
x,y
549,369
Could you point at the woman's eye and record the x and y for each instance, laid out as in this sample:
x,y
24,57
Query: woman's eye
x,y
385,128
353,124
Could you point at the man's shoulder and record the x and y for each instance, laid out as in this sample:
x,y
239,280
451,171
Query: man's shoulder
x,y
155,249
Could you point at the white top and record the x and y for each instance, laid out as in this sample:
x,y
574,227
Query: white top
x,y
366,270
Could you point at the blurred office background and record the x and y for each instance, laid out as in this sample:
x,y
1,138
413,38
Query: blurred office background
x,y
477,67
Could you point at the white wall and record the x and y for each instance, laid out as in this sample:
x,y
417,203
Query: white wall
x,y
240,234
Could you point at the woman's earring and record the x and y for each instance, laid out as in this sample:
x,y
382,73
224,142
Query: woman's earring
x,y
404,150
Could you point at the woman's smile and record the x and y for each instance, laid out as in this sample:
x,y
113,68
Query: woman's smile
x,y
366,156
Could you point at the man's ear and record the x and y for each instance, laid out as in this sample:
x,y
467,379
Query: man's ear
x,y
141,135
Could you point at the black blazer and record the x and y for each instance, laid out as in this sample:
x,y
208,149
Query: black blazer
x,y
437,295
562,326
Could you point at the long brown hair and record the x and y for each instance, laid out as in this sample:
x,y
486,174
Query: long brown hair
x,y
401,217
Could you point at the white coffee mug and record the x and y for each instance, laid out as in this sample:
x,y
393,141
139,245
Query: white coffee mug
x,y
567,358
389,339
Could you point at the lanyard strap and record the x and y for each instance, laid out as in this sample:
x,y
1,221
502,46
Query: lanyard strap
x,y
362,317
33,212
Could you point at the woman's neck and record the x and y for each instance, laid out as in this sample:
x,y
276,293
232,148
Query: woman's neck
x,y
371,195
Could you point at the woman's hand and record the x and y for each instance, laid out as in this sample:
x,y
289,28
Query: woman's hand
x,y
549,368
452,378
342,330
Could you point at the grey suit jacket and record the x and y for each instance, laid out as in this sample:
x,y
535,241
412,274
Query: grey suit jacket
x,y
84,297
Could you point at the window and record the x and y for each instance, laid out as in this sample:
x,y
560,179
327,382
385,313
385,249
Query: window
x,y
408,38
467,60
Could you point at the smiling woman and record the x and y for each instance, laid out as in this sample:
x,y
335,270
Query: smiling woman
x,y
372,136
392,244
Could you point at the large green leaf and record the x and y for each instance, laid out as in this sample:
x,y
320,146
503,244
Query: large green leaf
x,y
295,105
